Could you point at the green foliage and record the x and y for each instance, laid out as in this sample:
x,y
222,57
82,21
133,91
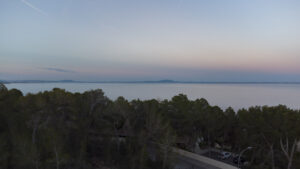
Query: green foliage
x,y
62,130
2,87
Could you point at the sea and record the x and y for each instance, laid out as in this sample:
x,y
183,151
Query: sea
x,y
236,96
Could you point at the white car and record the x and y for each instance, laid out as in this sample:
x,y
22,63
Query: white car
x,y
225,155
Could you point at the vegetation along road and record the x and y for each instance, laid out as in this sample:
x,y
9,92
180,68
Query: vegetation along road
x,y
63,130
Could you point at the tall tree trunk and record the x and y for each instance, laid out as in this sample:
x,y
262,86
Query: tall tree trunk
x,y
36,164
289,154
272,156
56,157
271,146
10,154
34,130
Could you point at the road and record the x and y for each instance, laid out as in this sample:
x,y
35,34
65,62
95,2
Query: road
x,y
188,163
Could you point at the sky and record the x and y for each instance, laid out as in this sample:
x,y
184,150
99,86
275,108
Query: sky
x,y
121,40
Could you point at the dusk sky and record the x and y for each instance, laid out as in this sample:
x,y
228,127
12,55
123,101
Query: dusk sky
x,y
112,40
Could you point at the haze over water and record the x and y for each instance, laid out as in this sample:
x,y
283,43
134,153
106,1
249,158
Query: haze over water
x,y
223,95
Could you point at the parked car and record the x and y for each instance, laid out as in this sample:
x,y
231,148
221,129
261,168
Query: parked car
x,y
225,155
236,160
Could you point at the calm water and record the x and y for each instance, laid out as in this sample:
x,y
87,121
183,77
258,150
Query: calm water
x,y
223,95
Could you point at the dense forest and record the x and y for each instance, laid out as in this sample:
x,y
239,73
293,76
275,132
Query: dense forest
x,y
62,130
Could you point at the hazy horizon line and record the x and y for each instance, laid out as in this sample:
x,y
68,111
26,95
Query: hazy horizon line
x,y
150,81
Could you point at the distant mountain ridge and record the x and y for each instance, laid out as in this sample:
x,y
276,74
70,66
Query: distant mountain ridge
x,y
149,81
3,81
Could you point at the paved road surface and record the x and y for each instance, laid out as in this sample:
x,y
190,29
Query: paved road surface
x,y
187,163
